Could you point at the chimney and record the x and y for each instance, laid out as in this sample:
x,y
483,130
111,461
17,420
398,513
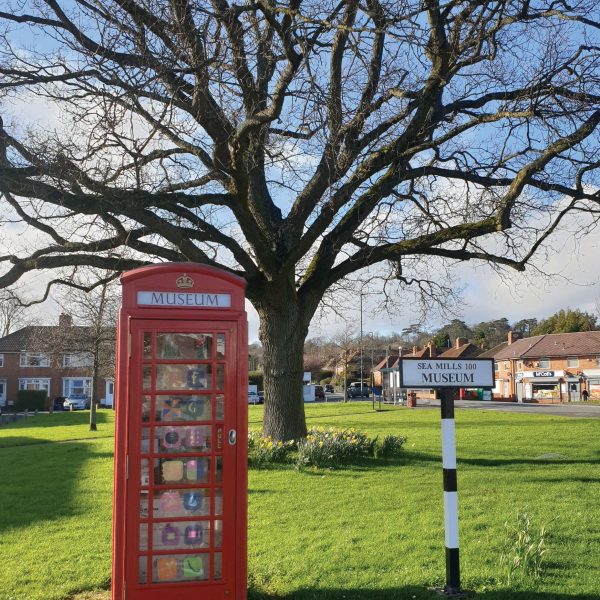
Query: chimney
x,y
513,336
461,342
65,320
414,350
432,350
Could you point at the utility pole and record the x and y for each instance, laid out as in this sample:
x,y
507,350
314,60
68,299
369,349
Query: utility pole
x,y
361,344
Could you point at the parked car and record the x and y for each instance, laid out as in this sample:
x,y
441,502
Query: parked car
x,y
356,391
329,388
77,401
261,396
254,398
319,392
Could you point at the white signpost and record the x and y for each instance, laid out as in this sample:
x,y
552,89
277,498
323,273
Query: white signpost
x,y
446,375
454,373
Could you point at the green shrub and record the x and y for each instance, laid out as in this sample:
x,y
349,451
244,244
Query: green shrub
x,y
332,447
31,400
525,548
256,378
390,446
263,450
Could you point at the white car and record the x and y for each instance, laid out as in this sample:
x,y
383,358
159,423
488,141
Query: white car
x,y
77,401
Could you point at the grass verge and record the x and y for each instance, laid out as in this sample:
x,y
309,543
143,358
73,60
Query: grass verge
x,y
373,530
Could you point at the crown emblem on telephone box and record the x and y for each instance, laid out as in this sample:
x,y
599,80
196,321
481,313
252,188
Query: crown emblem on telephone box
x,y
185,281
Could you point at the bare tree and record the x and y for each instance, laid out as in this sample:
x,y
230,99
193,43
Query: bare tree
x,y
97,311
298,143
13,314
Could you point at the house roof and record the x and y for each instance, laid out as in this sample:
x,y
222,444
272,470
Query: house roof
x,y
580,343
36,338
467,350
491,353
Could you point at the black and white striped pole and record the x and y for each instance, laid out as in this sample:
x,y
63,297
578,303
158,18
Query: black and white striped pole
x,y
447,375
450,493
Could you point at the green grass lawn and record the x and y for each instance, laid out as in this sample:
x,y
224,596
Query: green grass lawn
x,y
370,531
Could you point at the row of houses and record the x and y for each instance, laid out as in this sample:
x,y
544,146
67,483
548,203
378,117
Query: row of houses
x,y
55,359
562,367
551,368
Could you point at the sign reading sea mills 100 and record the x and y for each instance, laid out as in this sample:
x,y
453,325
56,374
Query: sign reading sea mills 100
x,y
446,372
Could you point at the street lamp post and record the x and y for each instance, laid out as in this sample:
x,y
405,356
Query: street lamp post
x,y
361,344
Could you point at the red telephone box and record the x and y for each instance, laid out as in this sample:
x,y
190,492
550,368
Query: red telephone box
x,y
180,497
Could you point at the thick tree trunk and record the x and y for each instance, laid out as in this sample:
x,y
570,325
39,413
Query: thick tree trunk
x,y
283,330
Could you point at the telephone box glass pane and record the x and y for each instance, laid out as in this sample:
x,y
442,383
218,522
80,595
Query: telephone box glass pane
x,y
190,438
218,502
181,535
147,345
218,469
144,497
182,408
181,470
220,345
143,569
181,503
143,536
180,567
182,346
220,377
220,408
147,378
146,408
145,441
145,472
218,534
183,377
218,572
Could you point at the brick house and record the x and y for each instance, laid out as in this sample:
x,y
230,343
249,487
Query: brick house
x,y
547,368
50,358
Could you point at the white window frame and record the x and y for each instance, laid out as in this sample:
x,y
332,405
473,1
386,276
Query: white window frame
x,y
598,361
39,383
541,364
77,360
571,360
496,366
26,358
1,360
86,387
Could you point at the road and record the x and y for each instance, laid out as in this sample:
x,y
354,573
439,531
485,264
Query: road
x,y
573,409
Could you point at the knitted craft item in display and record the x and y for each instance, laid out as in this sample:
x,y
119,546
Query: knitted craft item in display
x,y
172,470
170,535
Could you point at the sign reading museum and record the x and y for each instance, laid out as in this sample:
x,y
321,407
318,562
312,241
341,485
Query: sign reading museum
x,y
446,372
184,299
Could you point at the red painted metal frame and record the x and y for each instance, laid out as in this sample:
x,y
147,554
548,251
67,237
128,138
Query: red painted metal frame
x,y
163,278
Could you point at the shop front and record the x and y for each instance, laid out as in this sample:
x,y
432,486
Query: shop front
x,y
544,387
592,383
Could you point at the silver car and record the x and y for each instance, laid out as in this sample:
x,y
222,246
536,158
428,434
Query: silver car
x,y
77,401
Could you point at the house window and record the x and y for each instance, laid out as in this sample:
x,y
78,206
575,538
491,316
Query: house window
x,y
77,385
34,359
572,361
35,384
496,365
598,361
1,360
78,359
544,363
507,365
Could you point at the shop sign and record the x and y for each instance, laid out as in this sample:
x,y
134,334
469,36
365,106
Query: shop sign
x,y
543,373
456,373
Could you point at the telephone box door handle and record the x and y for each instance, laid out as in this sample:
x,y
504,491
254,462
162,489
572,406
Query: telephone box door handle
x,y
232,437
